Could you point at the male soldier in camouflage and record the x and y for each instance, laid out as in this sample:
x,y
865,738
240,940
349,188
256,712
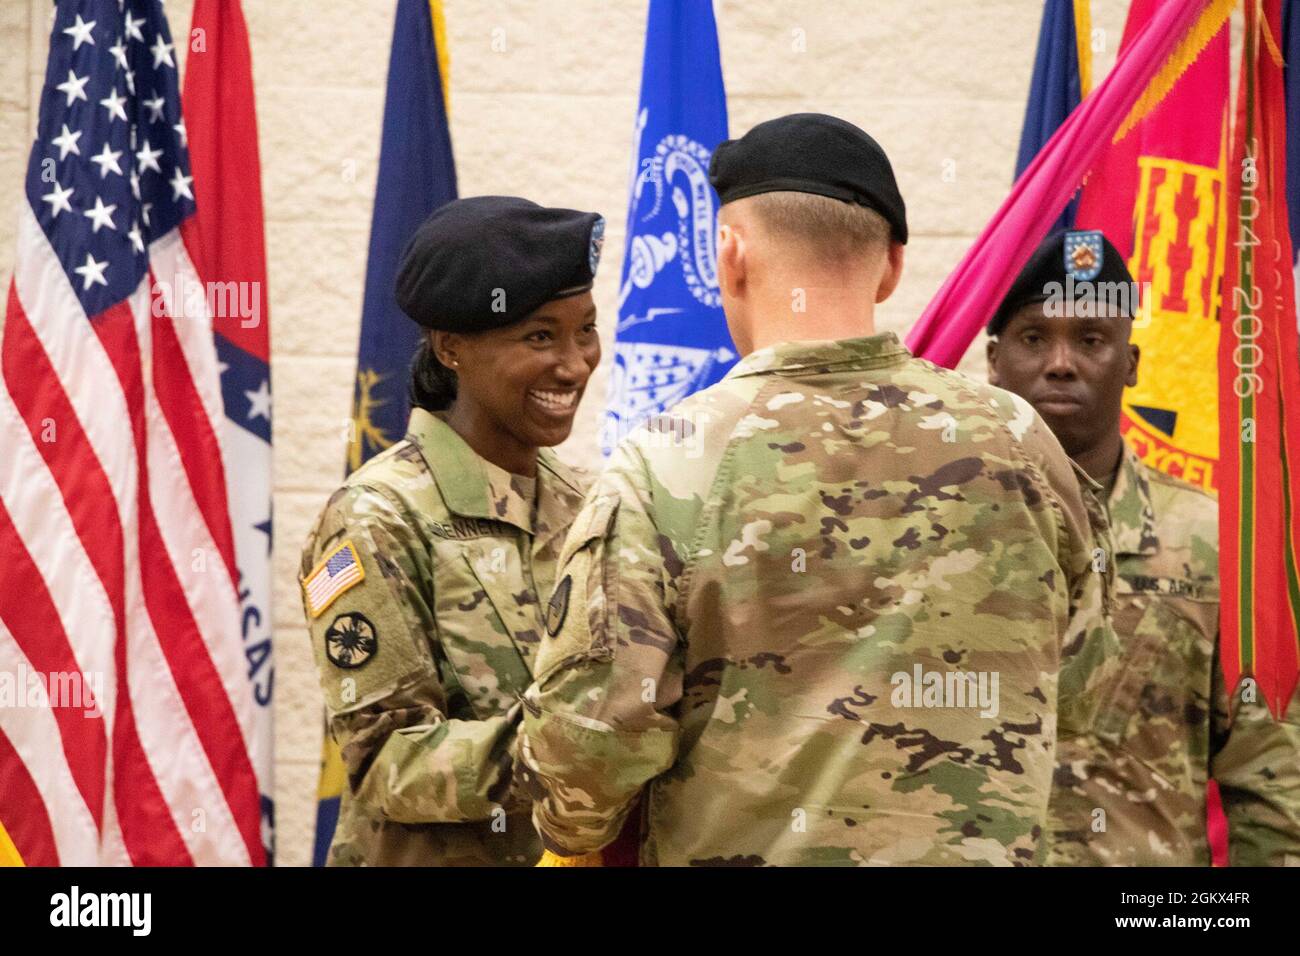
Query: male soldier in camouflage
x,y
817,612
1133,790
424,577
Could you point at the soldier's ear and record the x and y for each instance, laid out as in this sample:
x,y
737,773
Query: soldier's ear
x,y
446,346
1134,354
732,260
893,272
991,356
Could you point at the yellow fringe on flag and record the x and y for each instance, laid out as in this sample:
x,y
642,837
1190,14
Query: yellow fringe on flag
x,y
1083,40
332,774
444,58
585,859
1269,40
8,852
1206,27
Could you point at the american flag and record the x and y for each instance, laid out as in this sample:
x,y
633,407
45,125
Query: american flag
x,y
332,577
119,571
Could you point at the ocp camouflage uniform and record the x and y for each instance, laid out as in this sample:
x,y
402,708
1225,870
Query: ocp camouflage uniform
x,y
752,578
1132,792
422,662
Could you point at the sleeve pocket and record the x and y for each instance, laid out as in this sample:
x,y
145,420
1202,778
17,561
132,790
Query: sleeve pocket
x,y
578,613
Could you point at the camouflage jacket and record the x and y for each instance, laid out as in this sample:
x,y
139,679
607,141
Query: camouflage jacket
x,y
1132,792
423,654
763,590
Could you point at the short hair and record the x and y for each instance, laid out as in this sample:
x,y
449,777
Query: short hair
x,y
828,228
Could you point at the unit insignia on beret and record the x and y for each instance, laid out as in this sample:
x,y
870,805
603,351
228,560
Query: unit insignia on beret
x,y
1084,255
597,243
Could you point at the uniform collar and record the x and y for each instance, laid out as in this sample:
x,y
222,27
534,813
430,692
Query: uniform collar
x,y
473,487
559,496
1132,518
875,351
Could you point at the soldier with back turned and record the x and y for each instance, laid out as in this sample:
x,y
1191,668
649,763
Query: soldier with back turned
x,y
816,615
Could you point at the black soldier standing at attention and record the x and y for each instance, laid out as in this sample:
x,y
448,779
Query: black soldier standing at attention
x,y
1133,790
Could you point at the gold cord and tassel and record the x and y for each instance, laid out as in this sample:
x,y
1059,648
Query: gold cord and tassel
x,y
1206,27
583,859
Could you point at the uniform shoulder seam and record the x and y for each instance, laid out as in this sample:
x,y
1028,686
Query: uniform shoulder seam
x,y
711,502
405,513
976,391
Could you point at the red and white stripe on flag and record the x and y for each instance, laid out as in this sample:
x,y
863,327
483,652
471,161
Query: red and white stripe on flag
x,y
124,735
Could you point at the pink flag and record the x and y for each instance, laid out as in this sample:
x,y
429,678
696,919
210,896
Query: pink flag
x,y
1171,38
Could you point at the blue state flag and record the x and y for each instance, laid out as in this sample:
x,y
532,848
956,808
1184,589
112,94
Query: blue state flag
x,y
1057,87
417,174
672,337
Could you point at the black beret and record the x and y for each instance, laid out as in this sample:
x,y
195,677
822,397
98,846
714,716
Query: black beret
x,y
487,262
1074,260
810,153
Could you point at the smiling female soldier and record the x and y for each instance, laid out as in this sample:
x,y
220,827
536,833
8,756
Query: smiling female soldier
x,y
421,580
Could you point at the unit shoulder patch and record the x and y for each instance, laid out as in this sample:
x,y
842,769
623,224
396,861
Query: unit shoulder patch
x,y
351,641
558,606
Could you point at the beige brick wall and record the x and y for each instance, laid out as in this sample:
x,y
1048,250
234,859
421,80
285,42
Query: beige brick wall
x,y
941,84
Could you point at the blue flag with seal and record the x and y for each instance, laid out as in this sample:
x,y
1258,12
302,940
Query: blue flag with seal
x,y
672,337
1062,76
417,174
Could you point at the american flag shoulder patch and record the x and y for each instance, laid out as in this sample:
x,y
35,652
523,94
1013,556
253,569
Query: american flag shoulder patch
x,y
337,572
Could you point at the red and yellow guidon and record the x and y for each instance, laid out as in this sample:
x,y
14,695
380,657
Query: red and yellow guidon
x,y
1171,417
